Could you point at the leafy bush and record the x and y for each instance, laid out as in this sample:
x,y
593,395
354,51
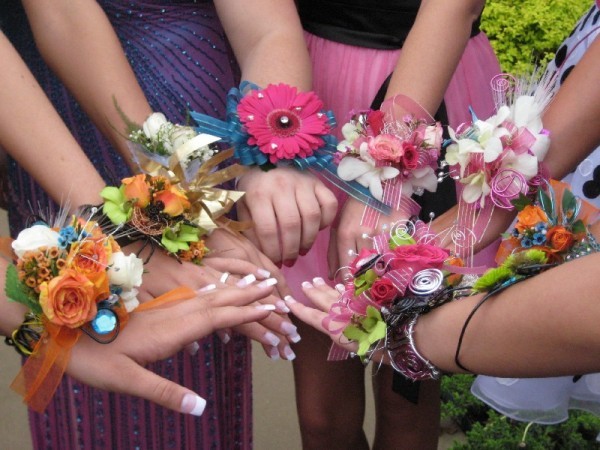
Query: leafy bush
x,y
523,31
487,430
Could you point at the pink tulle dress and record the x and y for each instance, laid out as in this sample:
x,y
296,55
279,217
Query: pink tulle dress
x,y
548,400
348,76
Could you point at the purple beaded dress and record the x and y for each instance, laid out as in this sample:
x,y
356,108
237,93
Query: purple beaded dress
x,y
182,61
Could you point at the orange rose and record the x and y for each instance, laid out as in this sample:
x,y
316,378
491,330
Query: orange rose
x,y
69,299
90,258
174,200
454,278
560,238
137,190
529,217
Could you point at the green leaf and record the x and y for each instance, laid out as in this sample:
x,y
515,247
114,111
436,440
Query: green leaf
x,y
400,238
578,227
521,202
16,292
546,203
569,204
115,213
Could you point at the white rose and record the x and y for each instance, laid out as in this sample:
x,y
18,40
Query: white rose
x,y
125,271
180,135
130,300
33,238
153,124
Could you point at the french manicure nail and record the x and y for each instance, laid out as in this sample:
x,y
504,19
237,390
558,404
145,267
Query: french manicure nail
x,y
224,277
268,282
193,404
295,338
274,353
340,288
281,306
263,273
318,281
289,299
225,338
248,279
266,307
208,287
192,348
270,338
288,328
289,353
307,285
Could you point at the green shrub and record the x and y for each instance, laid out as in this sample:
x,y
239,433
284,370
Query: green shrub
x,y
485,429
522,31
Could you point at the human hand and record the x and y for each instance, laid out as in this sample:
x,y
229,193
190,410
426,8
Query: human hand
x,y
156,334
288,209
347,239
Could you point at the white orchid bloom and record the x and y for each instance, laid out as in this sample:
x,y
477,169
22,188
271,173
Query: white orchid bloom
x,y
525,164
153,124
526,112
459,152
490,133
365,172
476,188
424,178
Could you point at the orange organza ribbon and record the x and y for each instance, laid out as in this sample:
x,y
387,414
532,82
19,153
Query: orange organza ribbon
x,y
41,374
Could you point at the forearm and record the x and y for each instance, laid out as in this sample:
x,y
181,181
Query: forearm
x,y
433,49
79,44
32,132
270,48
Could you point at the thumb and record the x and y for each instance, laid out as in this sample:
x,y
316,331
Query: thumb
x,y
150,386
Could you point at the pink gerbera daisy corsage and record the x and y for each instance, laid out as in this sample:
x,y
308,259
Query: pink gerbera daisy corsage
x,y
283,122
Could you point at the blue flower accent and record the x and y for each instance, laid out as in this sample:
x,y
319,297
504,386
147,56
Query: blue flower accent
x,y
541,226
539,238
526,242
67,236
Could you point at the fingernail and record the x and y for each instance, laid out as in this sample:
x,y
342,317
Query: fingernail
x,y
248,279
318,281
295,338
224,277
289,353
303,251
192,348
340,288
289,299
288,328
268,282
307,285
263,273
225,338
281,306
266,307
208,287
274,353
289,262
270,338
193,404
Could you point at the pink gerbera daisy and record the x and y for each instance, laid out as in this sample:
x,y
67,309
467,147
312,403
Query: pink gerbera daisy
x,y
283,123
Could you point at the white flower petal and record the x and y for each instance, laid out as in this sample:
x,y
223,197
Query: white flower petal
x,y
351,168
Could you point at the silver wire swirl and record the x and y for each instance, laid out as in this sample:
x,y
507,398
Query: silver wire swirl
x,y
426,281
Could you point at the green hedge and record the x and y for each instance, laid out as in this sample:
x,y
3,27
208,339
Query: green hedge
x,y
522,31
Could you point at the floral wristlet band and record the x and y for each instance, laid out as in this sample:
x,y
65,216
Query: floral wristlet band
x,y
379,315
177,200
74,279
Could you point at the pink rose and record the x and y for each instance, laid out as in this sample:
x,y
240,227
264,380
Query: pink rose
x,y
385,147
383,292
375,121
419,256
410,156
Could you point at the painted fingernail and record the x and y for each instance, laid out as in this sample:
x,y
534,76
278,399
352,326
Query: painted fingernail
x,y
307,285
289,299
193,404
318,281
192,348
225,338
340,288
304,251
248,279
266,307
263,273
281,306
208,287
270,338
289,262
288,328
289,353
274,353
268,282
224,277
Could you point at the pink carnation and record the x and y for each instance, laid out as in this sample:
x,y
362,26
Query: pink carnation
x,y
283,123
385,147
419,256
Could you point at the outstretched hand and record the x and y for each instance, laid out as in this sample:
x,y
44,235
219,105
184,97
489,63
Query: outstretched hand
x,y
156,334
288,209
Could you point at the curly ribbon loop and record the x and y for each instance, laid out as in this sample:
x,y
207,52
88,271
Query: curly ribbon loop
x,y
42,372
